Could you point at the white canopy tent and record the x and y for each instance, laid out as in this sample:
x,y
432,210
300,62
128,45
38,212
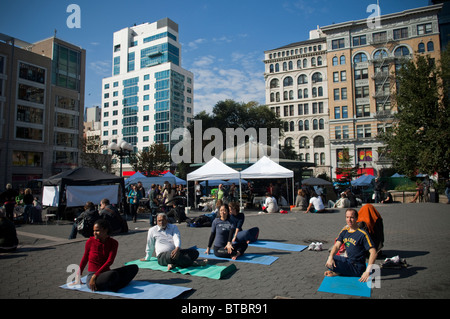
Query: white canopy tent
x,y
214,169
267,168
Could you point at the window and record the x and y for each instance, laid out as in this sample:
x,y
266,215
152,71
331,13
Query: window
x,y
337,112
319,142
380,54
378,37
362,110
343,93
275,83
342,60
421,48
430,46
363,131
337,132
335,76
343,76
361,74
359,40
317,77
338,44
364,155
302,79
361,92
360,57
400,33
315,124
344,112
335,60
300,125
288,81
345,132
303,142
424,28
401,51
336,94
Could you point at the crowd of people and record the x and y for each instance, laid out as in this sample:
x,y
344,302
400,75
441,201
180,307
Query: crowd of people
x,y
362,237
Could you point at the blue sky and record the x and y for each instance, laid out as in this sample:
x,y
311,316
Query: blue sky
x,y
223,42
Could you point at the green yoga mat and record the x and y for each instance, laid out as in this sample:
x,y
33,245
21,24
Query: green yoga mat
x,y
208,271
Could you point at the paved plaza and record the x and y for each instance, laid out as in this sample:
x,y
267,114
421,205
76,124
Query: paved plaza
x,y
417,232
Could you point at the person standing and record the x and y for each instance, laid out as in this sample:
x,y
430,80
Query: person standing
x,y
133,200
153,204
8,198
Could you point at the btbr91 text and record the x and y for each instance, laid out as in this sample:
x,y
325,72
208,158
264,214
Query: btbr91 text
x,y
238,308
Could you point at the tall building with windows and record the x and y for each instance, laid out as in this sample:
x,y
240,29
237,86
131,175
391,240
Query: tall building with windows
x,y
41,108
297,91
361,103
149,94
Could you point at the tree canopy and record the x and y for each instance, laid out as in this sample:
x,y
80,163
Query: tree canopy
x,y
419,141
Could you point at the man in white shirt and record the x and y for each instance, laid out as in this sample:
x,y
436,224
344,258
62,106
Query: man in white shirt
x,y
315,204
164,239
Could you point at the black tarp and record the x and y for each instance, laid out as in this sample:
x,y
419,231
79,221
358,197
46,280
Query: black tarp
x,y
84,176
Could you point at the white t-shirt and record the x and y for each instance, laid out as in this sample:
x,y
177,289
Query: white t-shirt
x,y
317,203
271,204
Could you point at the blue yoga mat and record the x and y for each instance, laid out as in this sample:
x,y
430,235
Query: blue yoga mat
x,y
345,286
136,290
277,246
245,258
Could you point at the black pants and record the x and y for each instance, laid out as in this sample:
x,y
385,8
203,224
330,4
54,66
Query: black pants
x,y
222,252
185,259
115,279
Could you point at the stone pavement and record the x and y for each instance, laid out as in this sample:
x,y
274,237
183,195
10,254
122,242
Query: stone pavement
x,y
417,232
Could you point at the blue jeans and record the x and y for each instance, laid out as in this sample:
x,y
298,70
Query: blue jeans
x,y
345,267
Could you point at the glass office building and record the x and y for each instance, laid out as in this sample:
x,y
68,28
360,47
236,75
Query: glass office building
x,y
149,94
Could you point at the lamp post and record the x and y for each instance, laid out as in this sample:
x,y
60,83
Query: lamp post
x,y
121,149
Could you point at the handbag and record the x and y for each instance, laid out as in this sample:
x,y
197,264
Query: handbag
x,y
80,224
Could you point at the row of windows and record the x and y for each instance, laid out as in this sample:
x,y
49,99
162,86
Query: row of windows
x,y
304,125
301,94
362,131
383,53
282,54
382,36
303,142
302,109
301,64
301,79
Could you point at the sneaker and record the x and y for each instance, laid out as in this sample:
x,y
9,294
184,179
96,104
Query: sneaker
x,y
312,246
318,247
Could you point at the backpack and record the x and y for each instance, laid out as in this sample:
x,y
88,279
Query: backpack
x,y
85,223
178,214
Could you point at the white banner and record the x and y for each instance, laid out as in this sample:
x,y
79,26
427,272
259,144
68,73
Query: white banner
x,y
79,195
50,196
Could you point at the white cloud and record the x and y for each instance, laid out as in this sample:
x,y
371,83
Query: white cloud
x,y
102,68
239,78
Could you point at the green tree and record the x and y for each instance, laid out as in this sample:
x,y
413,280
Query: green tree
x,y
419,140
151,161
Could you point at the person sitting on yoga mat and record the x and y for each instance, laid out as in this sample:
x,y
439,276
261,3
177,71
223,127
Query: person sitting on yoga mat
x,y
222,232
100,252
238,218
357,242
164,239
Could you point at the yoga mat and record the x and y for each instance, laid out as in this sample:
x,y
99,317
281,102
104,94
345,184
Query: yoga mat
x,y
208,271
245,258
136,290
345,286
277,245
